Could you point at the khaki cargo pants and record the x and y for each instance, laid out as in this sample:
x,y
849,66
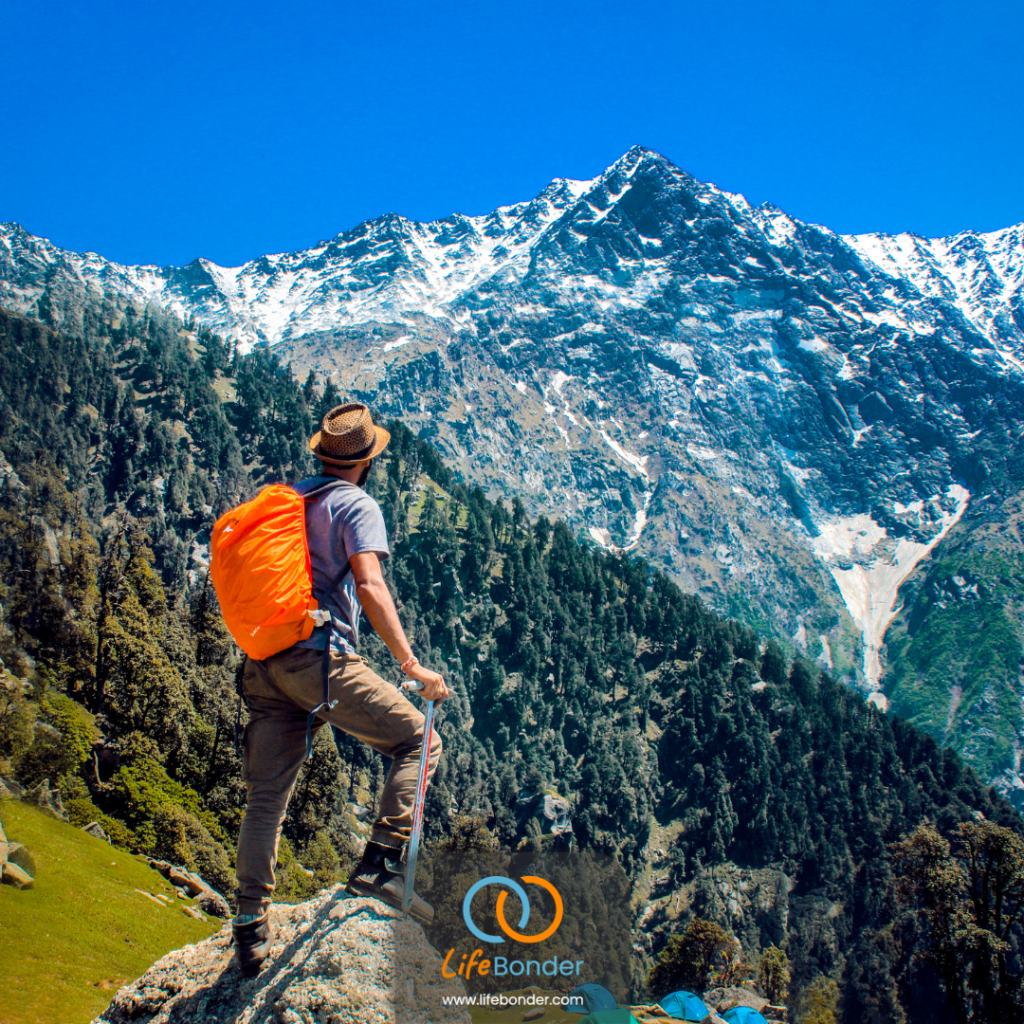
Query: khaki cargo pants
x,y
280,692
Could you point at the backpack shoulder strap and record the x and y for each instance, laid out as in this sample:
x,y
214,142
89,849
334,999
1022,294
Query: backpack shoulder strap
x,y
317,492
326,705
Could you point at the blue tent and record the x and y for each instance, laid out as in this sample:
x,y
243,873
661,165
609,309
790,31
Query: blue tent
x,y
590,997
743,1015
684,1006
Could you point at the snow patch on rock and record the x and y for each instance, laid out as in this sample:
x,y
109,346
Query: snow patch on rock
x,y
870,588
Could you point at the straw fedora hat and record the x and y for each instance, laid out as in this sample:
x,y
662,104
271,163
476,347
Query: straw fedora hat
x,y
348,435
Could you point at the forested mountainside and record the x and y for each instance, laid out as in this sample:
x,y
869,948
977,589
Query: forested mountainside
x,y
956,642
731,782
786,420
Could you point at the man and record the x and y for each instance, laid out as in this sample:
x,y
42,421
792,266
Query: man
x,y
344,526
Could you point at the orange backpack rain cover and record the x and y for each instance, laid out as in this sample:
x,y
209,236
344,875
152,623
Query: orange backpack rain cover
x,y
259,564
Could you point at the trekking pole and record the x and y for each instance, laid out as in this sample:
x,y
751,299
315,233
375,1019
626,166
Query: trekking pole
x,y
421,793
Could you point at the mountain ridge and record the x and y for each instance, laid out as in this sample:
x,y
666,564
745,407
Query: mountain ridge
x,y
999,255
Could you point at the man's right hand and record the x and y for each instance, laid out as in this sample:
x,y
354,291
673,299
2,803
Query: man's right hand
x,y
376,601
434,687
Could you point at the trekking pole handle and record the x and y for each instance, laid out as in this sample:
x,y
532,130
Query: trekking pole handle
x,y
415,684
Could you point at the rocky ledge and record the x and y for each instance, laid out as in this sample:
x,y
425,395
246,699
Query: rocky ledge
x,y
335,960
17,865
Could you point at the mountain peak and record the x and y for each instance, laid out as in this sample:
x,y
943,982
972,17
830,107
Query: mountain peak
x,y
637,153
633,159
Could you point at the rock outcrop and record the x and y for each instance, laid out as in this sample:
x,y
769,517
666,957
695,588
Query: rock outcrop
x,y
546,812
47,800
96,830
20,855
726,998
17,865
16,876
335,960
10,788
189,883
211,902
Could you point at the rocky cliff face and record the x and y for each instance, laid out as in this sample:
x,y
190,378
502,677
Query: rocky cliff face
x,y
788,421
335,959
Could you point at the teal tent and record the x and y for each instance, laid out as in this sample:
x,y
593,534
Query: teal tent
x,y
743,1015
590,997
622,1016
684,1006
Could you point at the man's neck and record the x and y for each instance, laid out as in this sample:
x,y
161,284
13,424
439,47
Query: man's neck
x,y
350,474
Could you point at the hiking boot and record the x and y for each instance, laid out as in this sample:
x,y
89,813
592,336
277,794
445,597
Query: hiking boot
x,y
253,937
381,876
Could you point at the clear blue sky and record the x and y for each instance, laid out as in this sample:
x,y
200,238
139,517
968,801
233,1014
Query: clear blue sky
x,y
154,132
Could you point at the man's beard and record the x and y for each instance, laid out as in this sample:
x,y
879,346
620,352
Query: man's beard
x,y
364,476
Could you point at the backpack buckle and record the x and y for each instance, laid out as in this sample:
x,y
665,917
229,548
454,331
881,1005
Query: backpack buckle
x,y
320,616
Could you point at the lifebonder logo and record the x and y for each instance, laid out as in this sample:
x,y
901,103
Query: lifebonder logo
x,y
503,966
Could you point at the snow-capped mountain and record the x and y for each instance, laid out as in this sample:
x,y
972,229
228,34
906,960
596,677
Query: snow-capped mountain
x,y
788,420
392,267
382,270
981,274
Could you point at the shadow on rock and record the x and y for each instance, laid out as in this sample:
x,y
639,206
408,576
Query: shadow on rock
x,y
335,959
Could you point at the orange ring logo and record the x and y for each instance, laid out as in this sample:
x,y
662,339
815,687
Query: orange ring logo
x,y
551,928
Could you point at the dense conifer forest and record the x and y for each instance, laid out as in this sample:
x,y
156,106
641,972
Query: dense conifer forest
x,y
580,674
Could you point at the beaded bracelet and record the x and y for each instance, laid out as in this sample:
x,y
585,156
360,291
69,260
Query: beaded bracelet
x,y
406,665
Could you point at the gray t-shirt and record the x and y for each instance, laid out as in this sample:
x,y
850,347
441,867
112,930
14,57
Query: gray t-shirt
x,y
342,522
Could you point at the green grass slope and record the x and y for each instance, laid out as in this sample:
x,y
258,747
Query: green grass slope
x,y
83,931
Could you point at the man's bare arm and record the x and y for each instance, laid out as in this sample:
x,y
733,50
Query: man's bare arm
x,y
380,609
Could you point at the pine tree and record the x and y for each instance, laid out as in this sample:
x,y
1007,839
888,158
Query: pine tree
x,y
773,975
688,959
